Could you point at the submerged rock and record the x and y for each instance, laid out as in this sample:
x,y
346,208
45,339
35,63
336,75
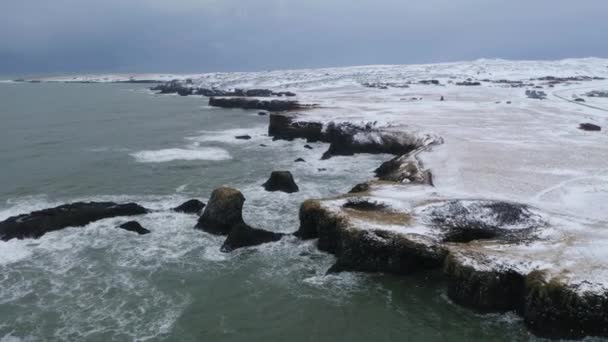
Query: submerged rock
x,y
590,127
242,235
243,137
38,223
281,181
192,206
223,212
134,226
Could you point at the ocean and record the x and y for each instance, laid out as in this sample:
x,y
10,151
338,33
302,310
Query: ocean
x,y
61,143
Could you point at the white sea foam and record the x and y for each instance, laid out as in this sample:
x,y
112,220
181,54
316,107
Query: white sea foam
x,y
172,154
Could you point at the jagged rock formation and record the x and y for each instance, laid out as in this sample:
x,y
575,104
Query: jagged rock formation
x,y
281,181
345,138
38,223
223,215
493,253
134,226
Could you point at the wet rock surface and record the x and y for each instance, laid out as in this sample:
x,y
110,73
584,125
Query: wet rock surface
x,y
245,103
135,227
38,223
192,206
281,181
242,235
223,211
224,216
283,127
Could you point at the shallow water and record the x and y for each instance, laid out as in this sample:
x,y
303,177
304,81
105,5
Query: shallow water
x,y
66,142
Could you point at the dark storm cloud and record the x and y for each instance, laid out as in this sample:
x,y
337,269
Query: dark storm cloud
x,y
43,36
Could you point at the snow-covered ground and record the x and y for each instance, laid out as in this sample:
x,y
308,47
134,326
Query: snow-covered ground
x,y
498,143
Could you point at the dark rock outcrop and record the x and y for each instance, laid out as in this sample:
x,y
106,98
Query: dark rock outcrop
x,y
224,216
362,187
134,226
300,160
242,235
192,206
484,291
185,88
536,94
243,137
347,139
404,169
468,83
282,127
38,223
554,310
589,127
281,181
245,103
223,212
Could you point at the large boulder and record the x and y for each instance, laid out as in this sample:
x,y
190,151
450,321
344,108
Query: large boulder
x,y
242,235
192,206
38,223
223,212
134,226
281,181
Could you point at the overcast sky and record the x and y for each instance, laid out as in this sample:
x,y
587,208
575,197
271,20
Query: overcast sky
x,y
55,36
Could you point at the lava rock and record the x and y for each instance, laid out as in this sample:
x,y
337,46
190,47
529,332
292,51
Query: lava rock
x,y
589,127
192,206
134,226
242,235
223,212
38,223
281,181
243,137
